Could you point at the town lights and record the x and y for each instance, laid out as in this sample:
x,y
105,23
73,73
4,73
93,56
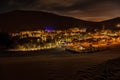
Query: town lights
x,y
75,38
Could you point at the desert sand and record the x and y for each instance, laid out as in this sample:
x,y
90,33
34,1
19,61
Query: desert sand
x,y
62,65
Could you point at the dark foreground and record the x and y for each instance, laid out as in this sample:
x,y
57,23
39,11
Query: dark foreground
x,y
62,65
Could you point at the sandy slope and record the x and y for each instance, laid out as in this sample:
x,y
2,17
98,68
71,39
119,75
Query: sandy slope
x,y
98,66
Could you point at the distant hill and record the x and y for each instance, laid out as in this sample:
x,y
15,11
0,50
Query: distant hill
x,y
20,20
111,23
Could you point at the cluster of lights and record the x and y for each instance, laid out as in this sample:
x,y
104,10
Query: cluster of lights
x,y
63,37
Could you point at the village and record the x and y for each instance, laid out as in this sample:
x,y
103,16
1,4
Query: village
x,y
73,39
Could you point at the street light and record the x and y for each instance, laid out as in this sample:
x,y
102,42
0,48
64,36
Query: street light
x,y
118,25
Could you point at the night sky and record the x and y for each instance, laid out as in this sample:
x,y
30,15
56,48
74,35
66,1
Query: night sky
x,y
94,10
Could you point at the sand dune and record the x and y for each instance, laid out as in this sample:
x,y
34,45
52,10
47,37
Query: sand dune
x,y
109,70
102,65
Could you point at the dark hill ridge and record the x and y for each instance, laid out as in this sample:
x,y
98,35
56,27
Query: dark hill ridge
x,y
111,23
33,20
20,20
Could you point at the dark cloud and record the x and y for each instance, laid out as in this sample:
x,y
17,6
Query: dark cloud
x,y
85,9
93,9
8,5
